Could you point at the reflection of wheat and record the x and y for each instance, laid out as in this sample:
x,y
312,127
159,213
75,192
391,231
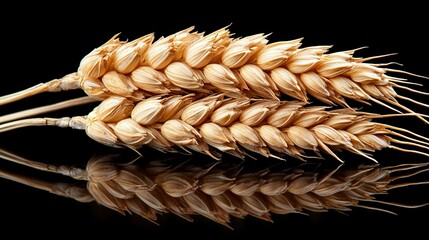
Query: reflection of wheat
x,y
218,194
219,191
190,62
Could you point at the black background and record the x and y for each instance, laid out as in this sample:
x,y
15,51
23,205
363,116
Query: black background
x,y
41,45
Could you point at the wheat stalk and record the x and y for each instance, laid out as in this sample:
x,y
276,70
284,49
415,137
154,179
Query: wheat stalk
x,y
215,124
191,62
218,192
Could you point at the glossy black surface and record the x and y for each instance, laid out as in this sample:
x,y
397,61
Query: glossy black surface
x,y
37,50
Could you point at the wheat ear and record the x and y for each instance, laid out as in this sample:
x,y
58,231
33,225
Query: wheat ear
x,y
218,192
215,124
189,62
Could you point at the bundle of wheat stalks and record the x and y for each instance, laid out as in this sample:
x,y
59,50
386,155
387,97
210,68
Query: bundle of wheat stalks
x,y
212,92
219,191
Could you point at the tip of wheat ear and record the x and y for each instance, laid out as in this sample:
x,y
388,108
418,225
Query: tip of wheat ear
x,y
191,62
219,124
220,192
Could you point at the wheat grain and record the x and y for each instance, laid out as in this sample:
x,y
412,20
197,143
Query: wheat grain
x,y
216,123
187,62
219,191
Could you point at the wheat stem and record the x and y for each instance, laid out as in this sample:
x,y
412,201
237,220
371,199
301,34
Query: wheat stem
x,y
46,109
74,122
39,88
68,82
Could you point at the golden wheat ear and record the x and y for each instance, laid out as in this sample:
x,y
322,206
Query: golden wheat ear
x,y
215,124
219,192
191,62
